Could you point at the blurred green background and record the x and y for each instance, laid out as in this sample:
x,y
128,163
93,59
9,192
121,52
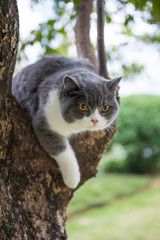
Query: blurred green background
x,y
136,147
123,201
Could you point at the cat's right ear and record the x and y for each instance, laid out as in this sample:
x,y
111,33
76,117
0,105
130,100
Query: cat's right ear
x,y
70,84
113,83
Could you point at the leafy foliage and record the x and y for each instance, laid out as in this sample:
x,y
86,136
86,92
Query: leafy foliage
x,y
58,29
132,69
53,30
150,6
138,133
46,34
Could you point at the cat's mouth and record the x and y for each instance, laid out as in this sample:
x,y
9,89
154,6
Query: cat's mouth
x,y
97,127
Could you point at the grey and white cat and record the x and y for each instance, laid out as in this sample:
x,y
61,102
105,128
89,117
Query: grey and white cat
x,y
65,97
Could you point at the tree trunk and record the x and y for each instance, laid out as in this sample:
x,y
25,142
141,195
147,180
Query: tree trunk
x,y
33,198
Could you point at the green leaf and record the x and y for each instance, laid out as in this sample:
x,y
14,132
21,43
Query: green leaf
x,y
108,18
76,3
51,22
128,19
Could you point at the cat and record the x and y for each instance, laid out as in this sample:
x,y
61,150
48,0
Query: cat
x,y
65,97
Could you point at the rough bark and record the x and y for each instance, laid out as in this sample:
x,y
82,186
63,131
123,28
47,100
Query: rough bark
x,y
102,59
33,198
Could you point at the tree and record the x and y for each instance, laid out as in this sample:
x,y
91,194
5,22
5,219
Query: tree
x,y
33,198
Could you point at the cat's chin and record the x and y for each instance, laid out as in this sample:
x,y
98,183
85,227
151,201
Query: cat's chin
x,y
82,128
96,128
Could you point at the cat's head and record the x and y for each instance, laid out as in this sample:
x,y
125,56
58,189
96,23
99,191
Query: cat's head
x,y
88,101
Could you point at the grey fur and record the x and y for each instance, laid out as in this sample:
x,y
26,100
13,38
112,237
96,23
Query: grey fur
x,y
76,82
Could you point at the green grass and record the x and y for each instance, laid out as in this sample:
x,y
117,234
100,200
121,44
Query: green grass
x,y
133,218
104,189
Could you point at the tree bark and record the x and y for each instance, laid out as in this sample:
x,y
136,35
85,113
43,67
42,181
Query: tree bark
x,y
33,197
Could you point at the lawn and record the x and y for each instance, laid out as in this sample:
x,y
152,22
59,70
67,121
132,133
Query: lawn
x,y
132,212
105,188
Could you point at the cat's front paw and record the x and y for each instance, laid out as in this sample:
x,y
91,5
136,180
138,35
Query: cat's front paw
x,y
69,168
72,180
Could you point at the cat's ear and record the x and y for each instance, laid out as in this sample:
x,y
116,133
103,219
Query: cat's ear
x,y
113,83
70,83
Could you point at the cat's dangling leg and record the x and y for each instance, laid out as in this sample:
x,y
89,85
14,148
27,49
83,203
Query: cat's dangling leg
x,y
68,166
58,147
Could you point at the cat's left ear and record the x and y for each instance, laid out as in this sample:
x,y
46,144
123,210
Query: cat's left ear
x,y
113,83
70,83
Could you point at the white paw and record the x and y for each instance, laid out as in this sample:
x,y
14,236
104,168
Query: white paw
x,y
71,179
69,168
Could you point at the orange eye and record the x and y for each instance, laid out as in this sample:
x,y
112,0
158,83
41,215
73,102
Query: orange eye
x,y
105,108
83,107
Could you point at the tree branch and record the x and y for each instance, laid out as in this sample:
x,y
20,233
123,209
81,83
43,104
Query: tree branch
x,y
102,60
82,30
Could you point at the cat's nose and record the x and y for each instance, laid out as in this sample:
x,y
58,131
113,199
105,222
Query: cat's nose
x,y
94,121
